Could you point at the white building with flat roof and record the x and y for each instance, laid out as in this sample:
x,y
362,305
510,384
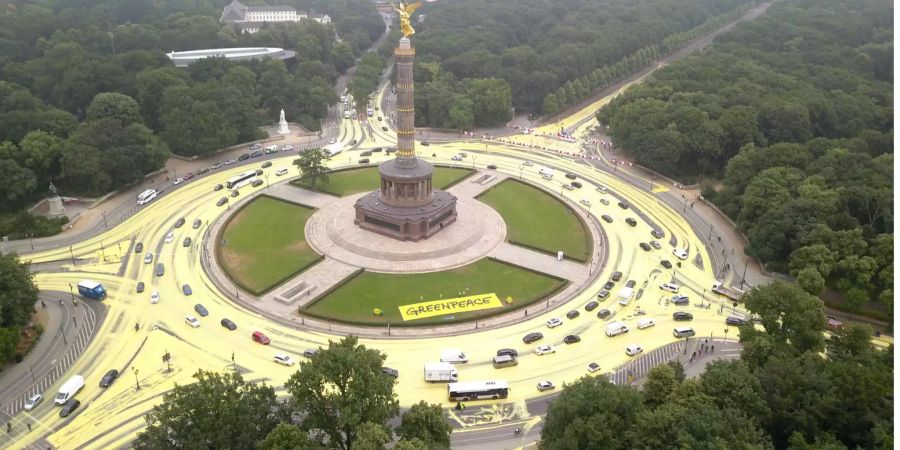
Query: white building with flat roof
x,y
251,18
184,59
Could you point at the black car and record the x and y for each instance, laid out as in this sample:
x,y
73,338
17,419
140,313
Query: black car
x,y
363,160
227,323
201,310
657,234
256,154
218,187
623,205
573,314
645,246
187,242
366,153
425,143
221,201
69,407
665,263
571,339
571,176
390,150
681,316
616,276
244,157
630,283
139,247
266,164
393,373
259,172
606,218
603,293
376,150
604,313
140,287
492,167
576,184
257,183
235,193
196,224
631,222
179,222
735,321
508,352
532,337
591,306
109,378
204,170
609,285
384,128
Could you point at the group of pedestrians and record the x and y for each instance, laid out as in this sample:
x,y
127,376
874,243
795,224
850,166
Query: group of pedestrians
x,y
705,347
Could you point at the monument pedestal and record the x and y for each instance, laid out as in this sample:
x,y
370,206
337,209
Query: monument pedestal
x,y
56,207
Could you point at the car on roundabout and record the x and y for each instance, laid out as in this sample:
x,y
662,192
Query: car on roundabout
x,y
69,407
260,337
633,350
222,201
616,276
609,285
604,313
657,233
655,244
527,163
592,305
201,310
572,314
139,247
228,323
186,288
492,167
192,321
310,352
680,253
187,241
33,401
218,187
576,184
508,352
109,378
281,171
170,237
140,287
196,224
682,316
545,385
603,293
593,367
266,164
606,218
644,246
235,193
532,337
571,339
284,359
631,222
179,223
554,322
679,299
665,263
585,202
604,202
257,183
623,205
568,187
541,350
154,297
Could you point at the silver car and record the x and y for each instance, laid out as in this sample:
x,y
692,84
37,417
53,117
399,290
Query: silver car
x,y
148,258
33,401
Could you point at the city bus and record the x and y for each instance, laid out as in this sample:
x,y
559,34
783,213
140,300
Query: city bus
x,y
146,196
477,390
241,180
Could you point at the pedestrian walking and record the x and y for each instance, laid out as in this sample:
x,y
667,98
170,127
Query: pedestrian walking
x,y
713,349
29,427
43,305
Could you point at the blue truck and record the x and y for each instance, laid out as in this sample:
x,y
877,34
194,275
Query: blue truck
x,y
91,289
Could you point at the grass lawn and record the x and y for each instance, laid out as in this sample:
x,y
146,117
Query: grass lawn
x,y
265,244
366,179
354,301
539,220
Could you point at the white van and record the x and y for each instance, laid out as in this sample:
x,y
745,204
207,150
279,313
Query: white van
x,y
625,295
615,329
454,356
643,324
547,173
633,349
683,332
671,287
680,253
502,361
69,389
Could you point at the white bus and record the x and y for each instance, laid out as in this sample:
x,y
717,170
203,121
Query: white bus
x,y
477,390
241,180
146,196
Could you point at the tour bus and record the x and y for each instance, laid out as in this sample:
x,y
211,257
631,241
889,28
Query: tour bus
x,y
146,196
478,390
241,180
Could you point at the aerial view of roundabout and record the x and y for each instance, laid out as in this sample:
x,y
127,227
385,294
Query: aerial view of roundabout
x,y
548,262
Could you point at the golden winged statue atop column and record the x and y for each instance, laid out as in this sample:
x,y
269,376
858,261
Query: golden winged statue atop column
x,y
405,11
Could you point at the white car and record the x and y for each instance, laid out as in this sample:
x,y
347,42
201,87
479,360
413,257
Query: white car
x,y
178,180
287,148
544,350
284,359
554,322
230,162
601,188
680,253
593,367
192,321
529,164
33,401
170,237
633,349
585,202
604,201
456,158
545,385
568,187
332,141
148,258
643,324
280,172
154,297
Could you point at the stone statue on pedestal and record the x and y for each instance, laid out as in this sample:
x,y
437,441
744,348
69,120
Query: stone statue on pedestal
x,y
54,203
283,125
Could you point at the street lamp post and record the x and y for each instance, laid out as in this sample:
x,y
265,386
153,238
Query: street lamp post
x,y
137,383
744,276
71,292
74,319
72,254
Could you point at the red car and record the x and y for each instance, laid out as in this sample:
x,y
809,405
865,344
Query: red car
x,y
833,324
261,338
189,176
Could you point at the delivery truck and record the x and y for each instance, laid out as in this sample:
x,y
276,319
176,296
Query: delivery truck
x,y
440,371
69,389
91,289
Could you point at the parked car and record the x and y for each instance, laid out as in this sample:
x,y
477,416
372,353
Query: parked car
x,y
178,181
591,306
139,247
215,166
109,378
310,352
69,407
681,315
604,313
261,338
230,162
33,401
244,157
545,385
571,339
256,146
532,337
228,323
833,324
201,310
633,350
425,143
189,175
393,373
256,154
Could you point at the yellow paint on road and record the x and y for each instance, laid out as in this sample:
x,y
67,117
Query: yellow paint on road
x,y
442,307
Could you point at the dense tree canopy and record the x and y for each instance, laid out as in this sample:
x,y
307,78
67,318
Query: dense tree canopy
x,y
792,112
783,393
18,294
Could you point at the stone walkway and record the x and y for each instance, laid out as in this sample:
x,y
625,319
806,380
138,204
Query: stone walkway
x,y
306,197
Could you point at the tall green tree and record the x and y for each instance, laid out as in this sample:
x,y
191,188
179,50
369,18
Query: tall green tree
x,y
427,423
340,389
18,295
112,105
214,412
286,436
312,168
